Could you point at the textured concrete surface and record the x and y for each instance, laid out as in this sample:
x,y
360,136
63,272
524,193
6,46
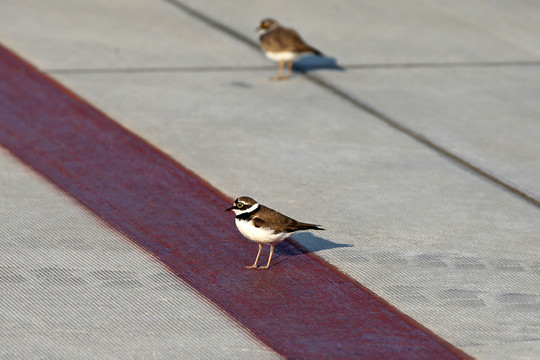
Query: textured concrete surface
x,y
440,242
83,35
486,115
73,288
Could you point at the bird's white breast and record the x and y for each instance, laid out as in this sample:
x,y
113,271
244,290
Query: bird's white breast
x,y
281,56
259,234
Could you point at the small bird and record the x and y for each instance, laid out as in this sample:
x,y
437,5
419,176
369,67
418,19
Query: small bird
x,y
282,44
263,225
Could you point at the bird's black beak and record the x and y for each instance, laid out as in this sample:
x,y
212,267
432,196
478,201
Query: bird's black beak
x,y
229,209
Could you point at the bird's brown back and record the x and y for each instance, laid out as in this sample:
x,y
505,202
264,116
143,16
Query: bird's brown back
x,y
284,39
281,222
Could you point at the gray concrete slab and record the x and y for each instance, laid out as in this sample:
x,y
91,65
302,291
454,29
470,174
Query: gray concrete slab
x,y
396,31
79,34
73,288
488,116
447,247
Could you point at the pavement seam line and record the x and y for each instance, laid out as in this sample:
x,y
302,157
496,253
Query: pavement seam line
x,y
400,66
368,109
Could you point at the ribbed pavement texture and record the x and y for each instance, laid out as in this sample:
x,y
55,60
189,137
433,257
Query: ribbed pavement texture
x,y
71,287
439,241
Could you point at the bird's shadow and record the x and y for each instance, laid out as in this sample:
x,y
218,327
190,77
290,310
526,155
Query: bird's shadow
x,y
314,62
294,247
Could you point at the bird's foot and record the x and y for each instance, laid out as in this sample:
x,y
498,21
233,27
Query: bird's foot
x,y
255,267
278,78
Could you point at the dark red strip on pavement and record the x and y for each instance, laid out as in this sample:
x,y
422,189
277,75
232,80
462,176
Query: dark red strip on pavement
x,y
302,307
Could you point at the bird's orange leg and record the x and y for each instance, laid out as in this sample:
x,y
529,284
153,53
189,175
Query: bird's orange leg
x,y
254,266
280,70
289,69
269,258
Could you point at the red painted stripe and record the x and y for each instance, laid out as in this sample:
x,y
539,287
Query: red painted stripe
x,y
302,307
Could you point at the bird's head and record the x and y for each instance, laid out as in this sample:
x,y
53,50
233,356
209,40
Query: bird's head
x,y
267,24
243,204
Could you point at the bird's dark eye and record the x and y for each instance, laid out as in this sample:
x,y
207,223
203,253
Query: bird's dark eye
x,y
239,205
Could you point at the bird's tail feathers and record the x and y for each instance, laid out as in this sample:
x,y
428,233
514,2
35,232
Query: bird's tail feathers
x,y
316,52
306,226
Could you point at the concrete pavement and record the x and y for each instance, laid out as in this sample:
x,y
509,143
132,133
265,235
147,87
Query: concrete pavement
x,y
438,240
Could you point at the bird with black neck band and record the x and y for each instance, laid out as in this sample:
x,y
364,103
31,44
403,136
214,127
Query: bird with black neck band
x,y
263,225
